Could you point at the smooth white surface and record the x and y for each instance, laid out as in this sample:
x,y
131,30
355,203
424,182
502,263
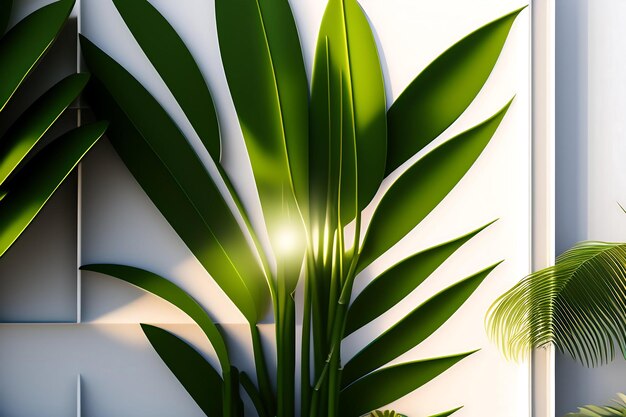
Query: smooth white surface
x,y
122,376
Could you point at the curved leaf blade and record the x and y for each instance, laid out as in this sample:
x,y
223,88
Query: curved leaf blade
x,y
170,292
264,67
413,329
20,139
397,282
348,106
423,186
24,45
447,413
201,381
165,165
178,69
442,92
27,193
387,385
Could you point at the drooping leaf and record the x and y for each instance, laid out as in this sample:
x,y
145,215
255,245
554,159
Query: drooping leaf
x,y
447,413
174,62
20,139
414,328
389,384
264,68
5,14
442,92
423,186
174,178
618,409
24,45
348,124
171,293
25,194
397,282
579,304
192,370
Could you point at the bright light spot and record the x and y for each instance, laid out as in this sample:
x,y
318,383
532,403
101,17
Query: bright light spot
x,y
287,240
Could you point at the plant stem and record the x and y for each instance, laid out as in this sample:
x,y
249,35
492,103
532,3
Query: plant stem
x,y
305,349
263,379
285,343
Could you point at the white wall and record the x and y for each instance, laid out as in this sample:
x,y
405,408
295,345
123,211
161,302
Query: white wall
x,y
591,163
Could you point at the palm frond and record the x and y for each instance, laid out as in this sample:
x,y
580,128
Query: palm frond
x,y
579,304
617,409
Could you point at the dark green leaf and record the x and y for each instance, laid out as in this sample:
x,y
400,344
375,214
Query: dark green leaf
x,y
264,67
20,139
166,167
447,413
171,293
197,375
23,46
414,328
442,92
253,393
389,384
177,67
5,14
28,192
423,186
348,125
397,282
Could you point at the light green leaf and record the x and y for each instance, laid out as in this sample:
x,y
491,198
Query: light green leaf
x,y
389,384
264,68
171,293
197,375
5,14
348,124
414,328
447,413
423,186
173,61
165,165
25,194
24,45
397,282
20,139
442,92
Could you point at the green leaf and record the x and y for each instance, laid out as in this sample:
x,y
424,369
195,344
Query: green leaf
x,y
413,329
348,124
191,369
172,175
397,282
442,92
264,68
254,394
423,186
171,293
25,194
579,304
5,14
173,61
389,384
447,413
24,45
20,139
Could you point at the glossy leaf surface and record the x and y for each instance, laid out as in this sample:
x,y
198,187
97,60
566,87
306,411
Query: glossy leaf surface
x,y
197,375
174,62
447,413
423,186
442,92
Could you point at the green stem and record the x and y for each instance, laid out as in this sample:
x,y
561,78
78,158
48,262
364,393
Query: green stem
x,y
285,343
227,400
263,379
305,349
254,395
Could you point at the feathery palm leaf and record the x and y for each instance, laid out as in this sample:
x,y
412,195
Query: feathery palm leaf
x,y
617,409
579,304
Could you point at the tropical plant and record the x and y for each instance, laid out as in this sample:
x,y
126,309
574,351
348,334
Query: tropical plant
x,y
319,155
30,173
618,409
386,413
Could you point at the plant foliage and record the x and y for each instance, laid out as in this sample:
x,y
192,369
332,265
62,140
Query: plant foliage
x,y
617,409
29,172
319,154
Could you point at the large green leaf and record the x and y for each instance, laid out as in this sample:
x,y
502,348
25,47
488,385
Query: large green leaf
x,y
264,68
165,289
20,139
422,187
348,124
23,46
191,369
166,167
397,282
25,194
443,91
5,14
388,384
177,67
414,328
